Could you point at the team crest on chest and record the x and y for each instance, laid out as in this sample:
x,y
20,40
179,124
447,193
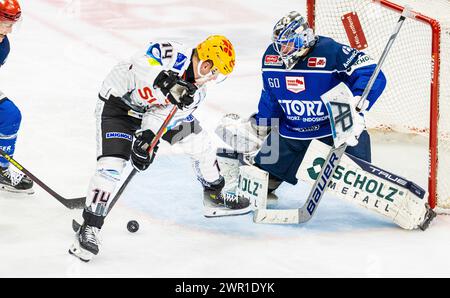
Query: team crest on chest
x,y
295,84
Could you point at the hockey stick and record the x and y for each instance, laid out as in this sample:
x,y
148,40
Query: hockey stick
x,y
75,224
306,212
76,203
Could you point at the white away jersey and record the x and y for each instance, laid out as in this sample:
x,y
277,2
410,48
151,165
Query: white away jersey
x,y
132,81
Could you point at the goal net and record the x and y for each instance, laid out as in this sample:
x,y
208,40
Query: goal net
x,y
417,96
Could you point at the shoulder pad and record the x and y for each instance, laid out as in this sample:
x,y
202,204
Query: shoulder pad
x,y
169,54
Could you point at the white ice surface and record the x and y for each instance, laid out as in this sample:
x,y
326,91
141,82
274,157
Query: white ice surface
x,y
57,63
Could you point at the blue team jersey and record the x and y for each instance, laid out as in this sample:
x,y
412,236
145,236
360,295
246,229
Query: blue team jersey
x,y
293,96
4,50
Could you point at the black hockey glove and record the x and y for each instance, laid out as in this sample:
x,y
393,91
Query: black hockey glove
x,y
178,91
140,157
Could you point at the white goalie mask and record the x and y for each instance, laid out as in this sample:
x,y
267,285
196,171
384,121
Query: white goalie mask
x,y
292,37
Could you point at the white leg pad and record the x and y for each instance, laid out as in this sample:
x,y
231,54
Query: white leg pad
x,y
369,186
253,185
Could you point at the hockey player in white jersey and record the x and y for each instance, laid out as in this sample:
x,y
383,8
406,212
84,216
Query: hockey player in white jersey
x,y
135,99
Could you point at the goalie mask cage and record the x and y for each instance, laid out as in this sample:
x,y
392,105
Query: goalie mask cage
x,y
417,96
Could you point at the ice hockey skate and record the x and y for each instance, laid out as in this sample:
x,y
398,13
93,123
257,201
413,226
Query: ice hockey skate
x,y
217,203
11,181
86,243
228,204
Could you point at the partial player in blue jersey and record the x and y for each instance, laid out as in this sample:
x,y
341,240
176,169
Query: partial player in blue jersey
x,y
297,68
10,116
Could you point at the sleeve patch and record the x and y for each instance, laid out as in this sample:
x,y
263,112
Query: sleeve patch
x,y
154,54
181,60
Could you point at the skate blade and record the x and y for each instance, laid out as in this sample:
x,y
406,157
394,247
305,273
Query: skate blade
x,y
10,189
80,253
222,211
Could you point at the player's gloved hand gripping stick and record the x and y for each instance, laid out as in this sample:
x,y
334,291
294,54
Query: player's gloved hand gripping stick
x,y
341,118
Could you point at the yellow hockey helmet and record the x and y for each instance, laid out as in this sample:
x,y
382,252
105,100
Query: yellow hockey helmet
x,y
220,51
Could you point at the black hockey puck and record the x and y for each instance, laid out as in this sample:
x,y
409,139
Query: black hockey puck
x,y
132,226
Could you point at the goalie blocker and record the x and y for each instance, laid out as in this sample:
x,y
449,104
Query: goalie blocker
x,y
354,180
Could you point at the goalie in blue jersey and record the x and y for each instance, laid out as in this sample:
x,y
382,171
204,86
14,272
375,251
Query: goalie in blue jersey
x,y
297,68
285,138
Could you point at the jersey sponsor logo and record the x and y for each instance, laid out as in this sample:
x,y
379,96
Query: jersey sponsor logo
x,y
273,60
351,58
119,135
359,185
147,95
295,84
304,129
317,62
363,61
303,108
179,63
189,118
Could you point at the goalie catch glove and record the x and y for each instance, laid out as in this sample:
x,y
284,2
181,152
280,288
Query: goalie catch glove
x,y
140,157
242,134
178,91
359,124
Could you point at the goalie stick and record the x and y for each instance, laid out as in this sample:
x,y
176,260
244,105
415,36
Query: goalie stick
x,y
306,212
76,203
75,224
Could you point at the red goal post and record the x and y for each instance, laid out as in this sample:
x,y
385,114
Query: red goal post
x,y
411,84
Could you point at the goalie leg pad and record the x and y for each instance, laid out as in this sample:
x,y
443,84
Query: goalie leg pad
x,y
253,184
369,186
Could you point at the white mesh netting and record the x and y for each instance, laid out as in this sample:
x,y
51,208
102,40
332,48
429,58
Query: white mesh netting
x,y
405,104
